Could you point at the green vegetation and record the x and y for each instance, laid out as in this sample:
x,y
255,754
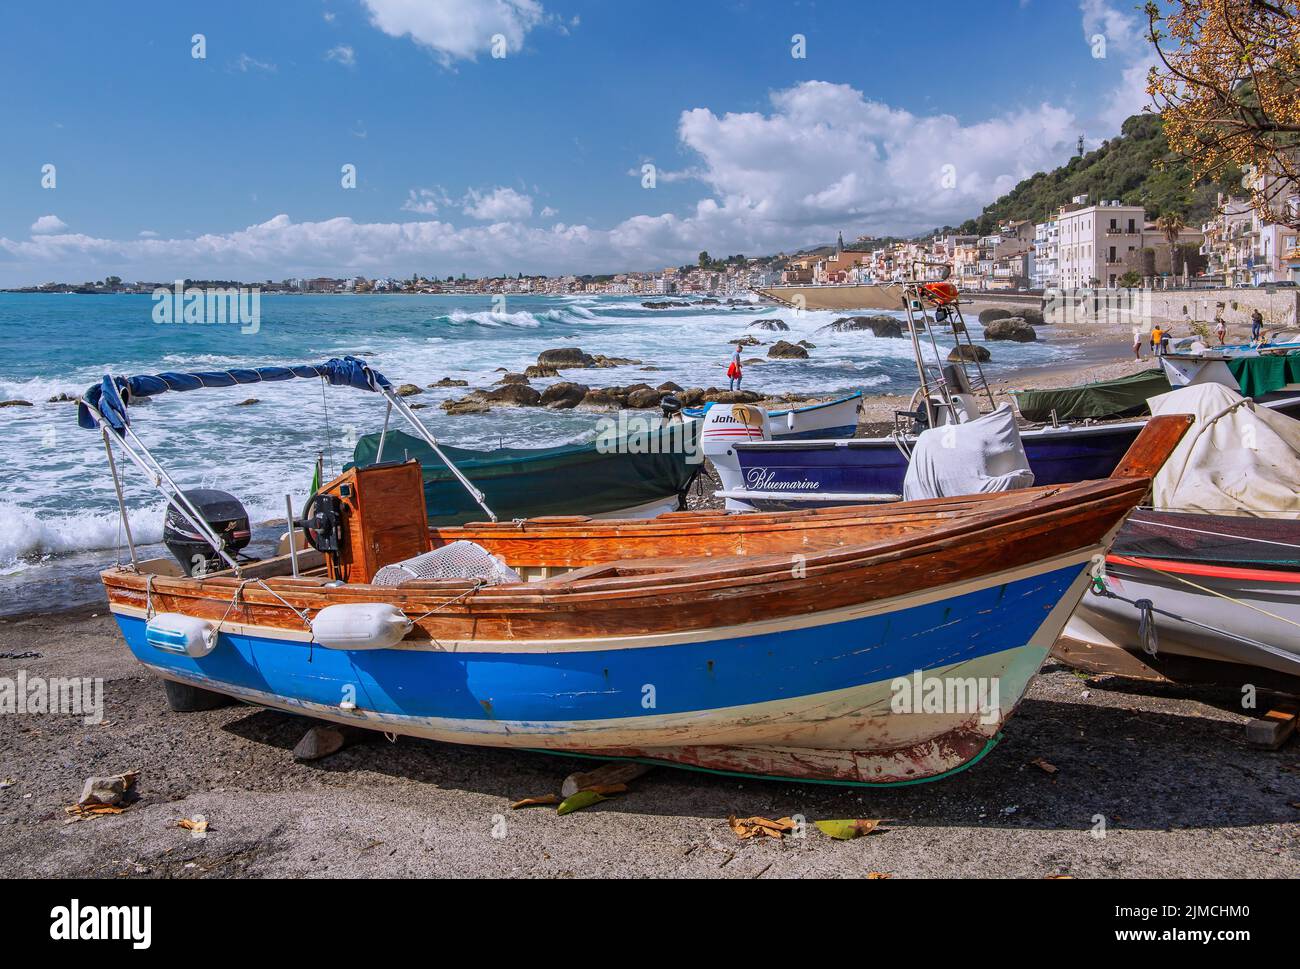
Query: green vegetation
x,y
1137,168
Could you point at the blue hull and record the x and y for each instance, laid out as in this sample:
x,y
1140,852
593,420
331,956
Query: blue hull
x,y
876,466
523,688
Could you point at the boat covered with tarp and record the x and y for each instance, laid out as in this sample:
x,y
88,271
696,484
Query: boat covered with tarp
x,y
638,473
1105,399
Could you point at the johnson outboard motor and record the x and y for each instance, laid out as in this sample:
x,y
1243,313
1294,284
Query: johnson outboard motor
x,y
223,513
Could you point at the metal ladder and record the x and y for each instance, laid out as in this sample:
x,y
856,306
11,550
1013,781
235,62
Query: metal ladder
x,y
930,376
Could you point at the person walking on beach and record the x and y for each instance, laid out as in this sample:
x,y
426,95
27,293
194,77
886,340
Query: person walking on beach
x,y
1137,344
734,373
1157,337
1256,326
1220,328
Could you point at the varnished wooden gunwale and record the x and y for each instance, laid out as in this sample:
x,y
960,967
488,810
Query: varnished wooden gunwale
x,y
764,587
874,554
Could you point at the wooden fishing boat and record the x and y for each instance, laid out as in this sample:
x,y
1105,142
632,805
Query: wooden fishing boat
x,y
804,645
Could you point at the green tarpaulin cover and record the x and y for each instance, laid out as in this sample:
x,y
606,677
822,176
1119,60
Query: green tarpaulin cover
x,y
573,479
1122,397
1265,374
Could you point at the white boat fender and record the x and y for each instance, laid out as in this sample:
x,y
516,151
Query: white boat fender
x,y
172,632
360,625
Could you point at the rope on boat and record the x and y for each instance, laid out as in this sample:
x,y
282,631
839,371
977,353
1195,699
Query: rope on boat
x,y
478,584
1221,595
1149,611
1147,627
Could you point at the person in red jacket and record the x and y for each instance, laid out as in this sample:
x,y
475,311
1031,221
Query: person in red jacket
x,y
734,373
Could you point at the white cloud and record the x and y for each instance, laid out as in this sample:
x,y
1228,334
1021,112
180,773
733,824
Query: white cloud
x,y
329,17
343,54
245,63
1128,54
424,201
148,234
457,29
549,212
499,205
48,224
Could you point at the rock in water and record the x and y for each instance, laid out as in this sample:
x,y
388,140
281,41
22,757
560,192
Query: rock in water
x,y
513,378
746,341
972,352
408,390
449,382
988,316
880,326
520,394
1012,328
782,350
533,370
17,403
564,395
1032,316
642,398
465,405
564,358
320,741
770,325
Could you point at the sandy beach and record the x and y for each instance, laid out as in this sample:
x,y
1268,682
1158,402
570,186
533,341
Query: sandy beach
x,y
1094,778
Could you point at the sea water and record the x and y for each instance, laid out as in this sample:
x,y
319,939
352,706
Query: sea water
x,y
58,515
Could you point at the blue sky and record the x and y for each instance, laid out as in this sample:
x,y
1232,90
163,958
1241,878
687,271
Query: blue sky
x,y
900,117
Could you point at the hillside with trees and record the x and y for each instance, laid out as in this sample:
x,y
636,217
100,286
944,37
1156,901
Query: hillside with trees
x,y
1137,168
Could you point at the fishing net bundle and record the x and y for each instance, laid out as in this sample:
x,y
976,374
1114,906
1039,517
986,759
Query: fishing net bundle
x,y
458,560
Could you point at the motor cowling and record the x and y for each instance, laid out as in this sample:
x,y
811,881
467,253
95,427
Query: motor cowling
x,y
223,513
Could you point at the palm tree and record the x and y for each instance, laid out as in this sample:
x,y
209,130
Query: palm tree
x,y
1171,226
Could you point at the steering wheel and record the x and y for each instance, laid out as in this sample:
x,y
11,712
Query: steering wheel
x,y
321,520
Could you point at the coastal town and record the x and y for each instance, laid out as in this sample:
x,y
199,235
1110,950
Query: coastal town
x,y
1087,244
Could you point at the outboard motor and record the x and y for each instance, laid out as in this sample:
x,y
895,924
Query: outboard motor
x,y
723,426
671,407
224,515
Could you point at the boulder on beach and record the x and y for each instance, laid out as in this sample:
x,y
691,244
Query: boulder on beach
x,y
989,315
563,358
781,325
519,394
969,352
408,390
1012,328
669,387
1032,316
880,325
782,350
564,395
691,396
449,382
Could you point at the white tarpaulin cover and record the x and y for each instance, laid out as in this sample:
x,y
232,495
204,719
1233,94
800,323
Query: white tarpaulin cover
x,y
977,457
1238,457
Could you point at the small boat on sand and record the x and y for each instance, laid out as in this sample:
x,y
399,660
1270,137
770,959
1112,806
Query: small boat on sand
x,y
859,645
828,420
